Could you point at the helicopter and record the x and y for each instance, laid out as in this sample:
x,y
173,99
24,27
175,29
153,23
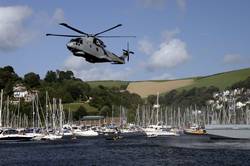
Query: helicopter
x,y
92,48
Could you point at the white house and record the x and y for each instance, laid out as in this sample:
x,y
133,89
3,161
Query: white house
x,y
20,91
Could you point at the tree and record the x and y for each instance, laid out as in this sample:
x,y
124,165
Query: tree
x,y
7,79
79,113
10,69
242,84
68,75
105,111
151,99
51,76
77,89
32,80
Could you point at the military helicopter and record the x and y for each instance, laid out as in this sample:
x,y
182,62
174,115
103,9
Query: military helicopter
x,y
90,47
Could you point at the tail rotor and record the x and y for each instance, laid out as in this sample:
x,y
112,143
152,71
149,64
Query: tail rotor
x,y
127,52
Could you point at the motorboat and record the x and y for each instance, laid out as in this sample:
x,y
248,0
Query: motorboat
x,y
195,130
159,131
228,131
84,132
13,134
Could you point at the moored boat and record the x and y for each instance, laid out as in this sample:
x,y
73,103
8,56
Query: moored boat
x,y
13,135
229,131
195,130
159,131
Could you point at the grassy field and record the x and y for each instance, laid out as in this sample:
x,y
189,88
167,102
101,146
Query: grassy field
x,y
108,83
221,80
153,87
75,106
145,88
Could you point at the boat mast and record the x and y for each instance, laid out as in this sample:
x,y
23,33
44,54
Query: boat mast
x,y
53,114
157,106
8,113
61,111
47,112
1,107
33,113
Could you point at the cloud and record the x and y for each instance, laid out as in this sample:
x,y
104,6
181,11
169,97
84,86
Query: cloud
x,y
181,4
58,16
145,46
21,25
164,76
13,31
170,34
170,54
232,59
89,72
160,4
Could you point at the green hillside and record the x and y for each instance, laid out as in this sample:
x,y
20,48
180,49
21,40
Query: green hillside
x,y
108,83
74,106
220,80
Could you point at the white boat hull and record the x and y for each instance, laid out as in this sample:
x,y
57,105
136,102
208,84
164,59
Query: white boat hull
x,y
228,131
86,133
15,137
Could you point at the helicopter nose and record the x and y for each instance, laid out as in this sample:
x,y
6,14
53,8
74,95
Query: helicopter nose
x,y
69,45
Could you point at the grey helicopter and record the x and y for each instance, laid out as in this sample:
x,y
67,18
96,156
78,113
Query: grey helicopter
x,y
90,47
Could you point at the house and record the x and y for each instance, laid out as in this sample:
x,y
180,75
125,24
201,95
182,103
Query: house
x,y
21,92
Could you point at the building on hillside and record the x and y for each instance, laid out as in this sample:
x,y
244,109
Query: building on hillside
x,y
21,92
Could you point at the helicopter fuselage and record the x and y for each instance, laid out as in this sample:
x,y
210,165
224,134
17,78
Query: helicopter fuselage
x,y
93,50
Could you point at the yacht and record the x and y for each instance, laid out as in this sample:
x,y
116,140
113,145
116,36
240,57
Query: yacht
x,y
84,132
195,130
132,132
36,134
13,134
159,131
228,131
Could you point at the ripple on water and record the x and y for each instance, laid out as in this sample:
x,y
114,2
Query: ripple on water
x,y
126,152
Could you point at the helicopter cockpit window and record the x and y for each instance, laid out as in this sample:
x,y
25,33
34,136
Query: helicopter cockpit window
x,y
77,40
80,41
98,42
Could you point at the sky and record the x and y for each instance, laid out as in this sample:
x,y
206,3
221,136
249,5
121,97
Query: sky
x,y
174,38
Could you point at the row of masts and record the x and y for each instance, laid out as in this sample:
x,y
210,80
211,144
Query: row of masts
x,y
183,117
53,119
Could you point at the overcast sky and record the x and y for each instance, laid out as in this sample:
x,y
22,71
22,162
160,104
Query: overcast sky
x,y
175,38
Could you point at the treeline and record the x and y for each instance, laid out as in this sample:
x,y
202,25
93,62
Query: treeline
x,y
195,96
242,84
64,85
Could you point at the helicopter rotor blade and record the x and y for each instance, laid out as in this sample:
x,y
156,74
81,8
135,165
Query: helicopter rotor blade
x,y
50,34
107,30
114,36
74,29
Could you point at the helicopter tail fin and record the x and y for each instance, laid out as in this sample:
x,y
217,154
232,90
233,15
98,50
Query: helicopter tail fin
x,y
126,53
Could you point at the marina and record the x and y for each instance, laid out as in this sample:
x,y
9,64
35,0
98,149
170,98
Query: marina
x,y
226,121
128,83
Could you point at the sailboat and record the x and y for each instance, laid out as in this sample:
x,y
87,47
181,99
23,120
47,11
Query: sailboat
x,y
55,133
158,129
8,133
